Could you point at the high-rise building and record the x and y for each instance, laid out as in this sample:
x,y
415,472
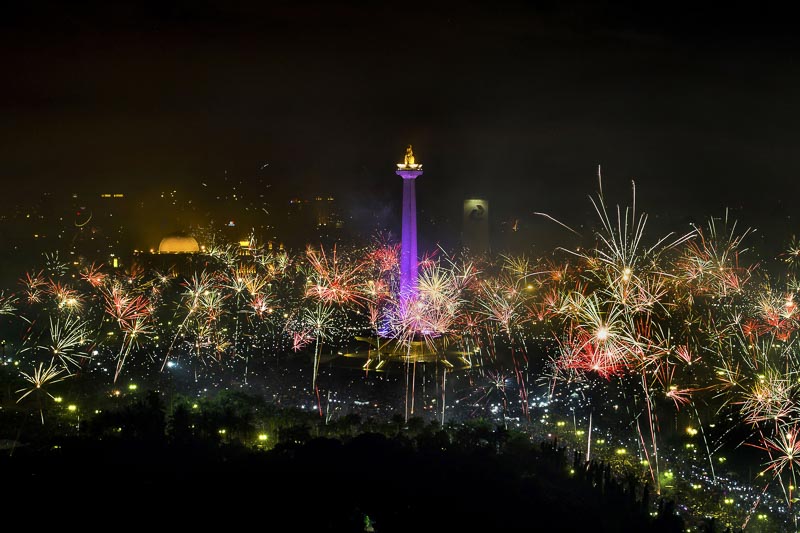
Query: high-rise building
x,y
475,227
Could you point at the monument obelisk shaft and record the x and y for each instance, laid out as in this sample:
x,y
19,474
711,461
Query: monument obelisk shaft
x,y
409,170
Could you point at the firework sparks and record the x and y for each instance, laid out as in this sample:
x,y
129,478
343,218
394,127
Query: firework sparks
x,y
39,379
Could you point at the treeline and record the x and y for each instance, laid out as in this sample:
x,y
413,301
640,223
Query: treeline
x,y
236,458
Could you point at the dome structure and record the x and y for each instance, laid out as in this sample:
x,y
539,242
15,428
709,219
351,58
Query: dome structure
x,y
178,243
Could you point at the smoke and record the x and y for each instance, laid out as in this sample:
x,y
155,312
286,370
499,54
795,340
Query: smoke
x,y
367,213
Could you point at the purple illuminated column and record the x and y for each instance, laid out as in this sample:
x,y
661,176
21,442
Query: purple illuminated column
x,y
408,246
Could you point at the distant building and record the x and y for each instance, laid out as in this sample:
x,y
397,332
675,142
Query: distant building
x,y
178,243
475,226
176,254
313,221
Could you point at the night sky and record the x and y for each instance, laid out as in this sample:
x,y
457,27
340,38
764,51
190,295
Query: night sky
x,y
515,102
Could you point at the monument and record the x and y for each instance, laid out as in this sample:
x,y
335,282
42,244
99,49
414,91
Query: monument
x,y
409,170
412,347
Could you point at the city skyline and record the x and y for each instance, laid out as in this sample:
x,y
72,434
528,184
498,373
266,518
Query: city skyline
x,y
695,109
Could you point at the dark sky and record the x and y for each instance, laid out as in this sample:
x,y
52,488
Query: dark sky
x,y
518,102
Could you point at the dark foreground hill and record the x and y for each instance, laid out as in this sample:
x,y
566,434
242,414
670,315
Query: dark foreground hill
x,y
370,481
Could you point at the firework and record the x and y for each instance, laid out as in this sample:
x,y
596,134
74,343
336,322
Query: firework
x,y
39,379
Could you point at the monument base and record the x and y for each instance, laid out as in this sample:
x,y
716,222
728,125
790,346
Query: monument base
x,y
381,352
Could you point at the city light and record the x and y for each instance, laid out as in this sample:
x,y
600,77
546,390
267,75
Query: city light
x,y
650,359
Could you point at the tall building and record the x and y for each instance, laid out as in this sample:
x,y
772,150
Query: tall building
x,y
475,226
